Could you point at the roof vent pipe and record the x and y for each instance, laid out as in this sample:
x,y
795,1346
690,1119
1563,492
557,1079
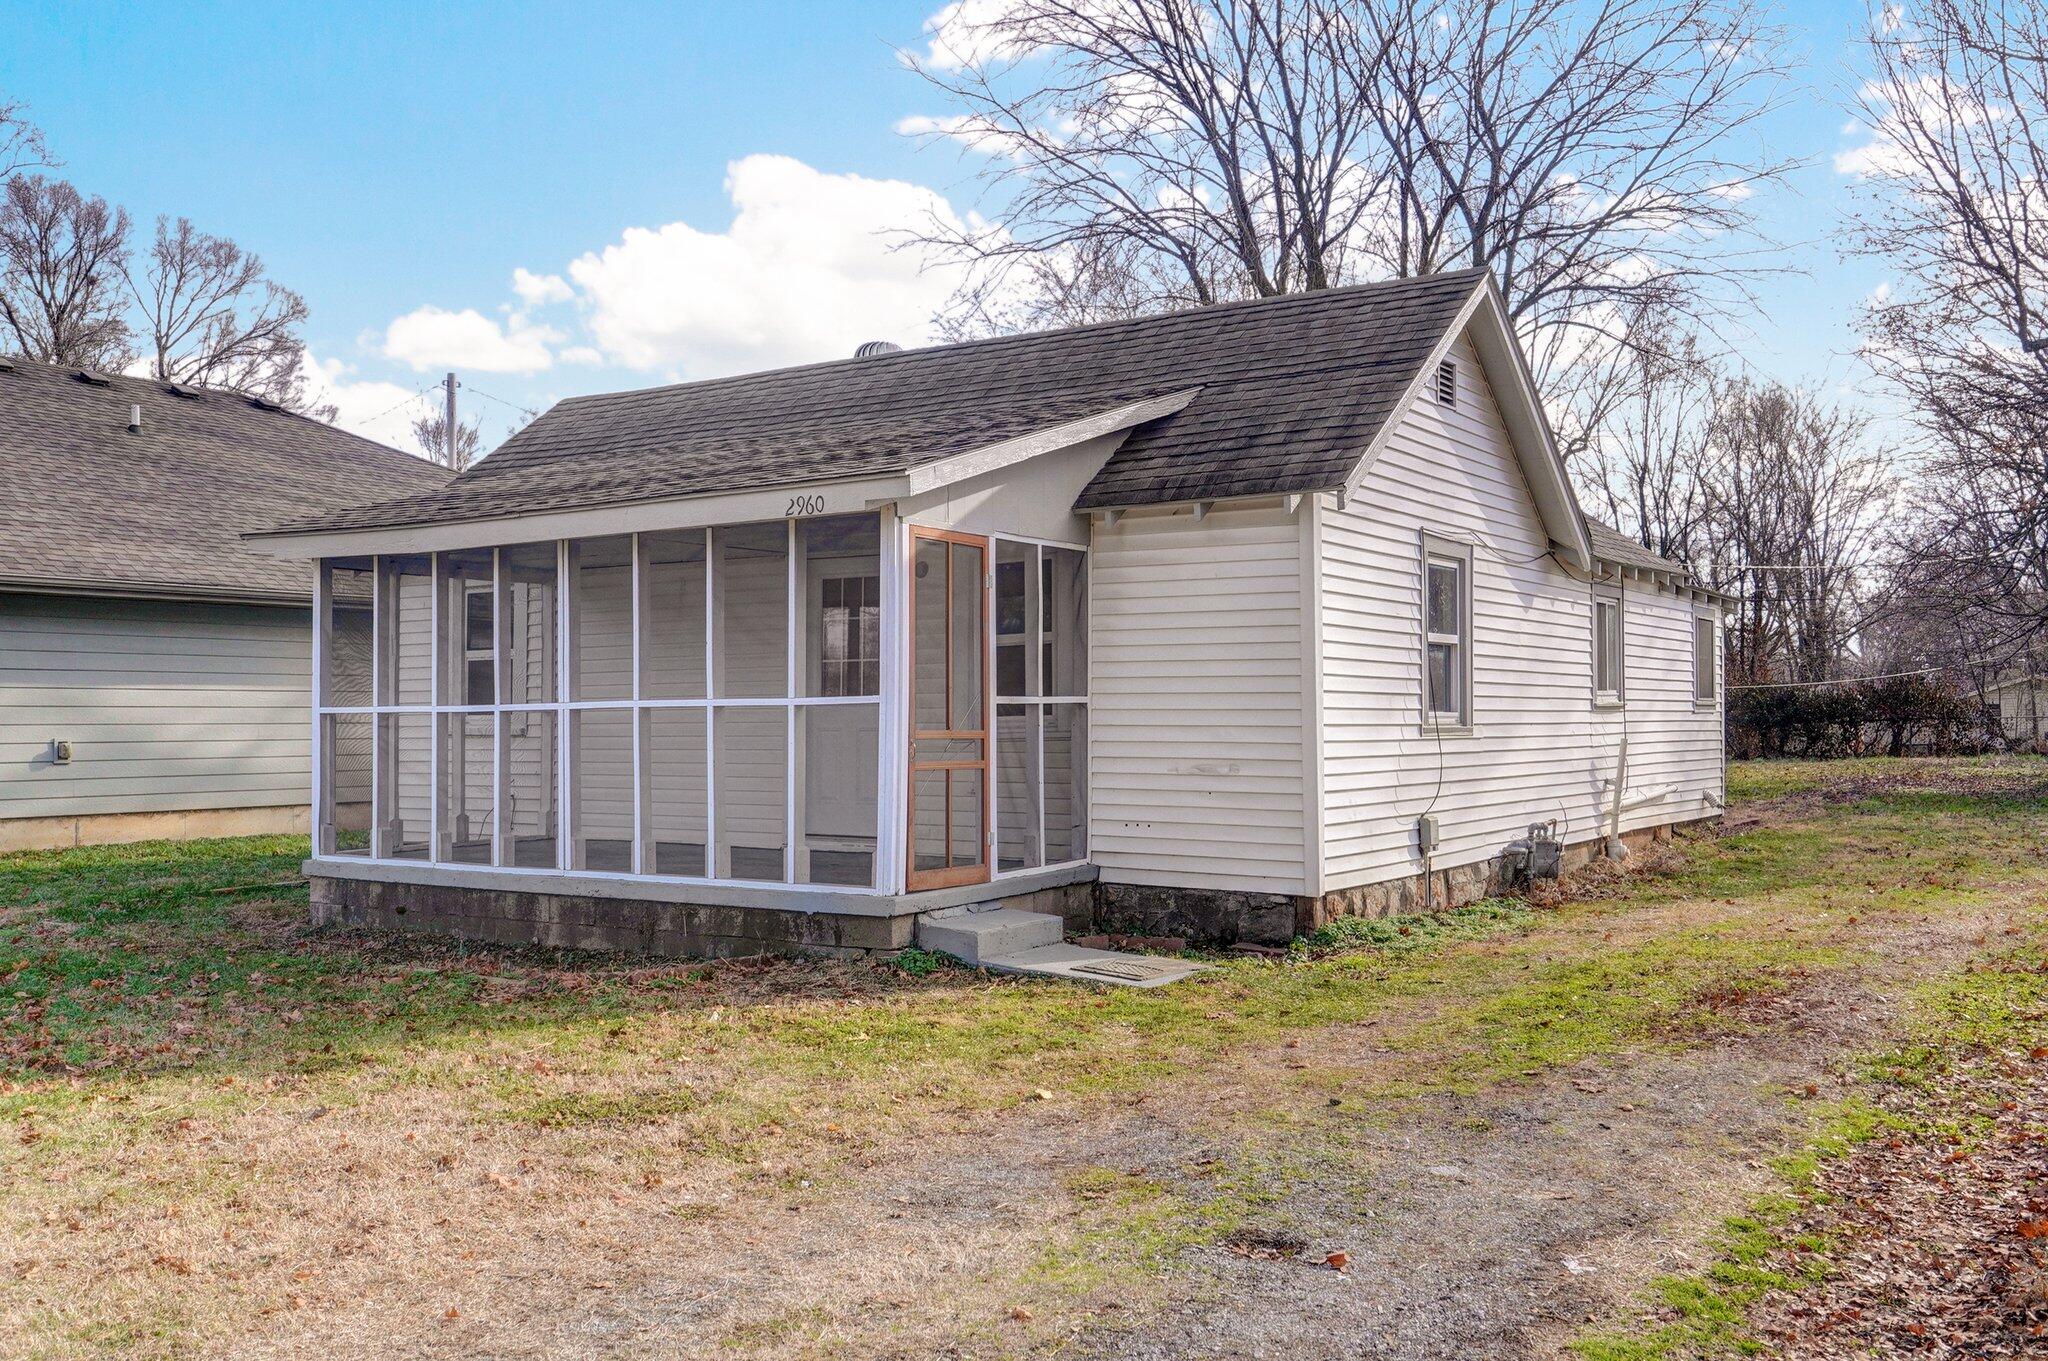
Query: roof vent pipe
x,y
870,348
135,419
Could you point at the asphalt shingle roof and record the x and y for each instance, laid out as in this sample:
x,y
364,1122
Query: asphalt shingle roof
x,y
1292,390
1615,546
90,506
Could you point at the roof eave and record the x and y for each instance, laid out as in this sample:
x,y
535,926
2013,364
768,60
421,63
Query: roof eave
x,y
195,593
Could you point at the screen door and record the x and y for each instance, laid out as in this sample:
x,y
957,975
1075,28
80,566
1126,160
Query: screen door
x,y
948,814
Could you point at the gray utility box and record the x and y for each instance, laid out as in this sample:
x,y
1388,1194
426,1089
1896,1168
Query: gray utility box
x,y
1537,856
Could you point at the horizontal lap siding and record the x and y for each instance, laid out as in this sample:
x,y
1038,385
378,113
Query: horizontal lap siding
x,y
1195,721
1538,748
169,707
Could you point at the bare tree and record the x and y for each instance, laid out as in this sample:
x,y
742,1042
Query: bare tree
x,y
62,256
431,433
1955,201
1646,466
1597,157
1794,504
21,142
212,319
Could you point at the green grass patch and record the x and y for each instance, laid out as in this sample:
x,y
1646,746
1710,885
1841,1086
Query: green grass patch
x,y
1421,931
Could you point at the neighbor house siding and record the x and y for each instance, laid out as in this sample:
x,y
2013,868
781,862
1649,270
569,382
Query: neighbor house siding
x,y
1537,748
1196,737
168,707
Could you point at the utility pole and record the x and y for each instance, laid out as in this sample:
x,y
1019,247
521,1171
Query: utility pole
x,y
454,454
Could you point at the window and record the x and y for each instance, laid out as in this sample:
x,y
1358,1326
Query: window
x,y
1705,672
850,652
1447,383
1609,667
1447,633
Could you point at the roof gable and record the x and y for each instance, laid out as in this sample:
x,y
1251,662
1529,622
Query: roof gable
x,y
96,507
1483,318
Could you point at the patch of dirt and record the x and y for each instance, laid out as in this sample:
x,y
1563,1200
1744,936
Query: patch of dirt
x,y
1498,1225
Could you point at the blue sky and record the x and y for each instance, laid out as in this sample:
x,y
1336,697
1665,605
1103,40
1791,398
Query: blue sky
x,y
398,163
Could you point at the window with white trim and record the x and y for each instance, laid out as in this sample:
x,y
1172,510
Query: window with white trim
x,y
1609,656
1447,633
1705,669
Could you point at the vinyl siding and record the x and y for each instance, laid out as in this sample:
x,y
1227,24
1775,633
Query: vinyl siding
x,y
168,706
1197,767
1538,747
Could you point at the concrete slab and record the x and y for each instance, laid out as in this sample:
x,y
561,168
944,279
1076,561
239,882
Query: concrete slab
x,y
1079,964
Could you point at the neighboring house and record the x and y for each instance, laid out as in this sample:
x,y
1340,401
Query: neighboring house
x,y
2020,704
153,668
1217,623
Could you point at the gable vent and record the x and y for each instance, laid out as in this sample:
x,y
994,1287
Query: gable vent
x,y
1447,383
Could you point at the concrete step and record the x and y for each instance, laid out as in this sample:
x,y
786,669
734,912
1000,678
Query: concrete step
x,y
976,935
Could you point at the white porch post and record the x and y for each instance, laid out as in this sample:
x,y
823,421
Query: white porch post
x,y
566,856
501,722
323,642
893,796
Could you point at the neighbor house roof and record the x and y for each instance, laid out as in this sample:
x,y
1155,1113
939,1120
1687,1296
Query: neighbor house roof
x,y
1611,545
92,507
1281,395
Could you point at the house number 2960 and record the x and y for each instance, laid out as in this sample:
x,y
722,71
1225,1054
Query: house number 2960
x,y
806,505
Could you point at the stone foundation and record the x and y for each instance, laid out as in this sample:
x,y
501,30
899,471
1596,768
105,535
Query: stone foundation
x,y
689,930
1215,917
511,916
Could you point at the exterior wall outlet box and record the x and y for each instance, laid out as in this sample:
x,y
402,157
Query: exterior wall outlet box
x,y
60,752
1425,832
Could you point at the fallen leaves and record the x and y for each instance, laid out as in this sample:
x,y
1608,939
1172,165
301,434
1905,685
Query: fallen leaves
x,y
1935,1242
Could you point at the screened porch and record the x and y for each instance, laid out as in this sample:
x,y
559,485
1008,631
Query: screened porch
x,y
844,703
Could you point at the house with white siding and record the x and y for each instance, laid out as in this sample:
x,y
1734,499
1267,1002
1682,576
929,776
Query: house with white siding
x,y
1214,624
154,670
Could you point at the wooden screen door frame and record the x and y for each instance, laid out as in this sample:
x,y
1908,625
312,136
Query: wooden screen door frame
x,y
949,876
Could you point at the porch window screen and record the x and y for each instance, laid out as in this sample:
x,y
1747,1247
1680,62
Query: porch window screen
x,y
700,704
1041,733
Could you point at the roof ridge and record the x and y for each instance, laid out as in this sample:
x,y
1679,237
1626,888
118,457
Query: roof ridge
x,y
1018,337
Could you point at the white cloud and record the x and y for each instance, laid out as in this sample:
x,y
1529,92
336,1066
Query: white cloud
x,y
959,35
538,290
368,407
430,338
811,265
581,354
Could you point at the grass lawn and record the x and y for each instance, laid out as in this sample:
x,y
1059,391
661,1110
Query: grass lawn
x,y
227,1134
